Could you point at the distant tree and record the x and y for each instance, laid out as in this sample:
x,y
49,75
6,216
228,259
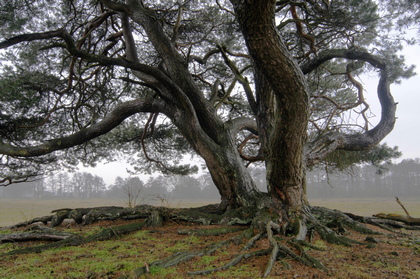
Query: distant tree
x,y
99,186
132,188
186,187
39,188
405,177
62,180
115,190
21,191
364,181
156,187
209,191
77,184
86,185
234,81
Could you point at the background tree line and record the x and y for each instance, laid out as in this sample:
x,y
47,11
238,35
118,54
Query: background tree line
x,y
363,181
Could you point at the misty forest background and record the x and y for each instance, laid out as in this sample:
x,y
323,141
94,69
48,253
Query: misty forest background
x,y
364,181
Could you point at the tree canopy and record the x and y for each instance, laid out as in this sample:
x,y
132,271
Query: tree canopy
x,y
235,82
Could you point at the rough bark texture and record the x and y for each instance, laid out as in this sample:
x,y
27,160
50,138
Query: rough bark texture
x,y
282,99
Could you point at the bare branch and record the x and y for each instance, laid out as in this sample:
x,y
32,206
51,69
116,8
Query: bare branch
x,y
258,157
30,37
206,56
175,32
150,124
352,54
242,80
361,99
308,38
403,207
115,6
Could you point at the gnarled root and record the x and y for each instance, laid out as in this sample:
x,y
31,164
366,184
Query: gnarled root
x,y
286,239
290,240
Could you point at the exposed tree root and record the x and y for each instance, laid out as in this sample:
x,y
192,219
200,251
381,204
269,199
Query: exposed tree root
x,y
235,261
388,224
74,239
286,240
411,221
208,232
271,260
37,233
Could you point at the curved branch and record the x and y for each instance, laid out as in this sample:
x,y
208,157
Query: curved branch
x,y
30,37
112,120
352,54
250,159
321,147
242,123
307,38
327,143
249,124
205,57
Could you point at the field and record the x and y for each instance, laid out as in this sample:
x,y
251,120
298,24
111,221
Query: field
x,y
393,256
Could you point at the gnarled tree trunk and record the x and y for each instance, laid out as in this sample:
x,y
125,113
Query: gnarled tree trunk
x,y
280,81
226,167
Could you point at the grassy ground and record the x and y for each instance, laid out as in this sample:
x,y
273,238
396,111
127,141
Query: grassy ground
x,y
394,256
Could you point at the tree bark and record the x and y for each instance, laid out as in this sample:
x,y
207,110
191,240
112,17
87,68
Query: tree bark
x,y
226,167
283,105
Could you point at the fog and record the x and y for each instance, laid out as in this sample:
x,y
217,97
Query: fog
x,y
402,180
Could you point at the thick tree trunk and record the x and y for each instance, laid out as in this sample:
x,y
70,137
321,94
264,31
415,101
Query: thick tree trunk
x,y
197,118
232,179
283,106
227,169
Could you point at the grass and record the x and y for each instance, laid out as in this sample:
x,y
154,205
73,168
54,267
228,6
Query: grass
x,y
118,258
121,256
101,258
